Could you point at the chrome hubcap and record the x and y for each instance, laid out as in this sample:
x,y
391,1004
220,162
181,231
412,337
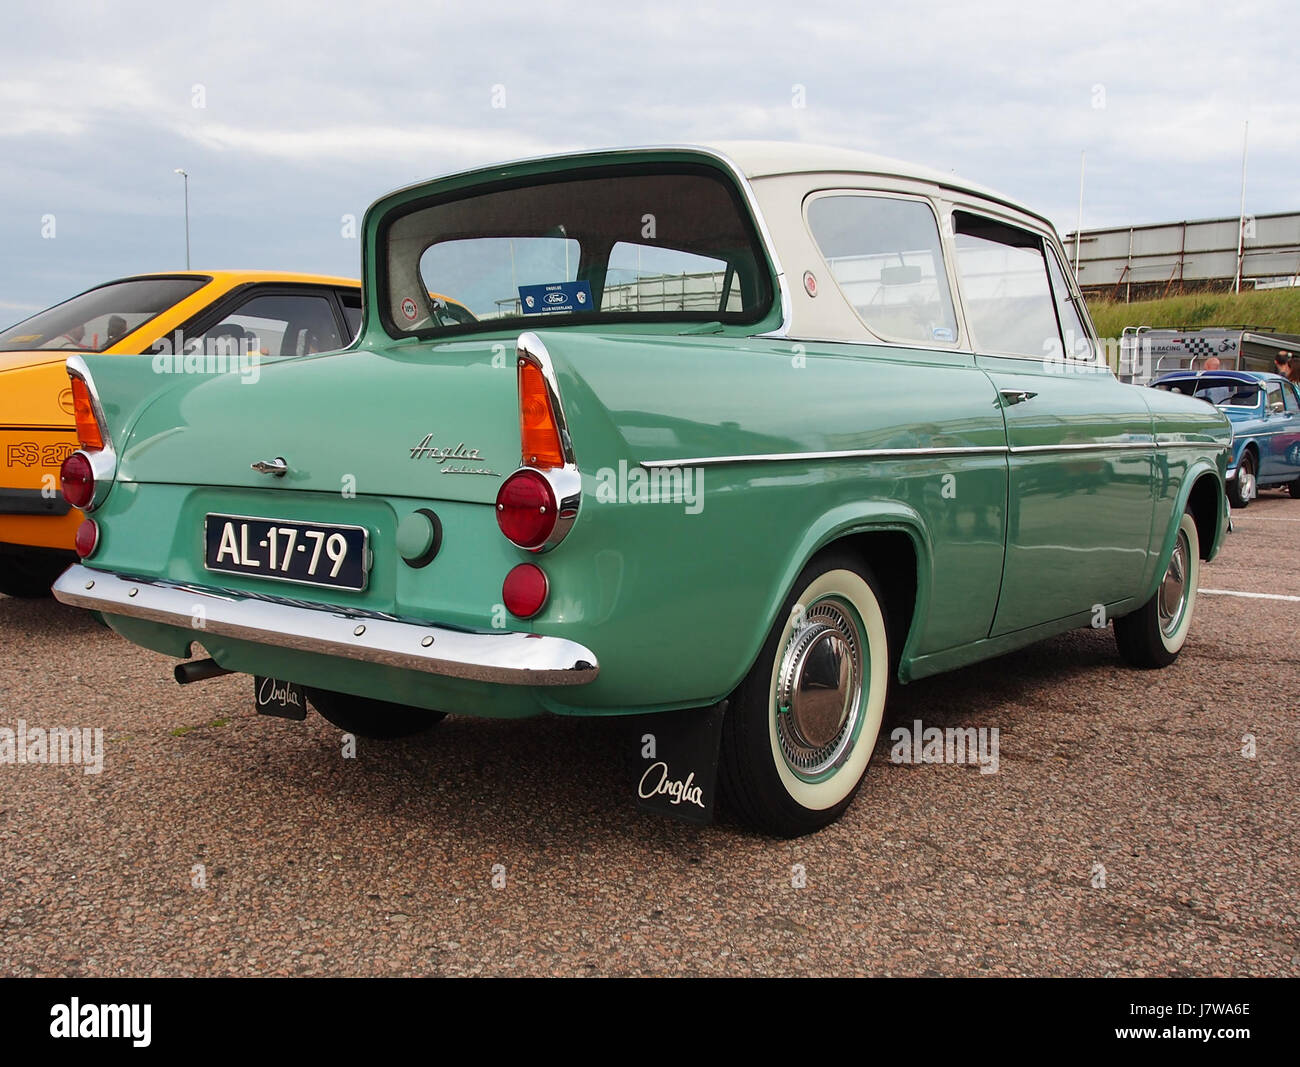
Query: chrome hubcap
x,y
819,692
1247,484
1173,589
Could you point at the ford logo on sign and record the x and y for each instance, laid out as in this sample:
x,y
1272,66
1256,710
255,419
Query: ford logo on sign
x,y
555,298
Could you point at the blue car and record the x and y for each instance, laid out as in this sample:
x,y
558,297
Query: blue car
x,y
1265,413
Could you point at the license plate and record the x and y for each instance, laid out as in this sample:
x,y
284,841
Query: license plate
x,y
306,553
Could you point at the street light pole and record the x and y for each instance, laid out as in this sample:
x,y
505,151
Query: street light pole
x,y
186,175
1241,219
1078,229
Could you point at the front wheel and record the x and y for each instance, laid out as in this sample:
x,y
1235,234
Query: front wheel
x,y
1153,635
800,729
1294,489
1244,488
371,718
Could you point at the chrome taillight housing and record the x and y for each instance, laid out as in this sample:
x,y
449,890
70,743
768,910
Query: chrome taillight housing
x,y
87,474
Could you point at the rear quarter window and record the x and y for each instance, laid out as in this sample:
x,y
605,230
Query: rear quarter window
x,y
886,256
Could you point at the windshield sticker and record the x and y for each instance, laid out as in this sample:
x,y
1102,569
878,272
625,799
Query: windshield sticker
x,y
943,333
409,309
558,296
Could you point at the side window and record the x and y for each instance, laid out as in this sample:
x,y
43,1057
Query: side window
x,y
1272,397
1008,301
886,257
654,278
1078,345
281,325
350,299
1289,399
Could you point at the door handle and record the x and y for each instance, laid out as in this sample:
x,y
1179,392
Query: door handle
x,y
277,467
1016,396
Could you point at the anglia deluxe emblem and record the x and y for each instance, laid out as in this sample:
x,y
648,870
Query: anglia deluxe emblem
x,y
444,454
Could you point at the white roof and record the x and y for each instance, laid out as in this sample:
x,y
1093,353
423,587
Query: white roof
x,y
766,159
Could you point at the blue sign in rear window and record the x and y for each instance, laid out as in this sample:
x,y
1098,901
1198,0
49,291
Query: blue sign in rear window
x,y
557,296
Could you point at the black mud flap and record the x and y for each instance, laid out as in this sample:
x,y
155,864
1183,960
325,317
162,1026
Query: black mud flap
x,y
677,765
284,700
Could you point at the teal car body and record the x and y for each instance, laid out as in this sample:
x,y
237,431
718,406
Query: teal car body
x,y
789,356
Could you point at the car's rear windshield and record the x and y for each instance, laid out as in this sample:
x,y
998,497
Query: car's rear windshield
x,y
98,319
610,245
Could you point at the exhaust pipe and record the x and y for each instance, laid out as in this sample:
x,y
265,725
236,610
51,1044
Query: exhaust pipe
x,y
198,670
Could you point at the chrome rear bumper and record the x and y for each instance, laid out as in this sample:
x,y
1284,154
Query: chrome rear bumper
x,y
505,657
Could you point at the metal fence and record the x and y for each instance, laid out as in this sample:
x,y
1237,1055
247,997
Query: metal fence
x,y
1138,262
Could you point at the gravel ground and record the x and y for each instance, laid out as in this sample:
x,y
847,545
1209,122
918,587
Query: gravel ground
x,y
1125,832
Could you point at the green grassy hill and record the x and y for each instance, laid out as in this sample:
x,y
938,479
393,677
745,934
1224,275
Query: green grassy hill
x,y
1276,308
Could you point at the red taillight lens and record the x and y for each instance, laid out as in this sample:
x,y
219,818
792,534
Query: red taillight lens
x,y
539,433
87,538
83,410
524,591
78,480
526,509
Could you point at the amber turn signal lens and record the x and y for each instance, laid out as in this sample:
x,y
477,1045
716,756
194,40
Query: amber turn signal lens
x,y
88,431
86,539
77,479
538,431
525,590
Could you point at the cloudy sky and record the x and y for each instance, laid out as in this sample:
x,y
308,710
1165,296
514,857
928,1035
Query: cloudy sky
x,y
290,116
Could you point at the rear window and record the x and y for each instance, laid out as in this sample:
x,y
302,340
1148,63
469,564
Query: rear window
x,y
98,319
613,245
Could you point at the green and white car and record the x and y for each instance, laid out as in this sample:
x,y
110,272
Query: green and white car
x,y
763,424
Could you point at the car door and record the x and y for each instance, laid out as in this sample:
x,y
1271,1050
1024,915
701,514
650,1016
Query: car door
x,y
915,389
1280,442
1081,451
1291,457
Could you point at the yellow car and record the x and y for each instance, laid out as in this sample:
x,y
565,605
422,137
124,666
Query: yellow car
x,y
187,321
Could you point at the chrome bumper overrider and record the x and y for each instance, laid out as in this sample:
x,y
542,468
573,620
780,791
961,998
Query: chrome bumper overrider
x,y
506,657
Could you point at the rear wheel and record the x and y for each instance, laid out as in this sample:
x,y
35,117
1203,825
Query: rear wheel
x,y
801,727
1243,488
367,717
1153,635
29,572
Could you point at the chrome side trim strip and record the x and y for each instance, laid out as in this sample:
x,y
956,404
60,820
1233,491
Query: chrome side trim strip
x,y
1108,446
921,453
505,657
856,453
